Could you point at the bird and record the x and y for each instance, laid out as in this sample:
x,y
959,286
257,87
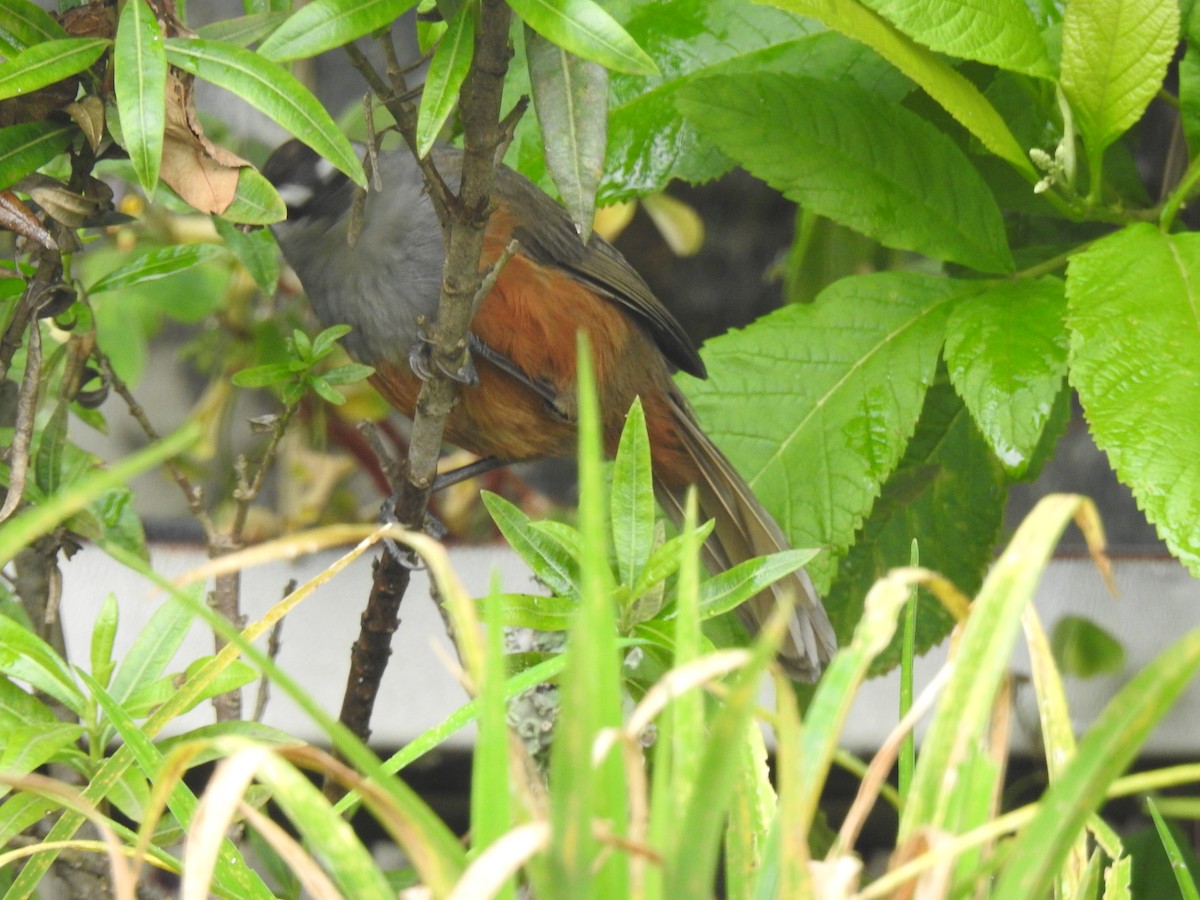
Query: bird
x,y
518,401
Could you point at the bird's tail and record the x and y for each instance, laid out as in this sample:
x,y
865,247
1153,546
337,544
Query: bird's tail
x,y
742,531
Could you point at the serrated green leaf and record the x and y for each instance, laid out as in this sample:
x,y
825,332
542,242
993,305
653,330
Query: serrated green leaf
x,y
447,71
48,62
23,24
845,154
140,78
26,657
256,201
151,265
27,147
952,91
948,492
1006,350
244,30
1114,57
1135,350
831,390
1002,33
632,498
570,97
325,24
582,27
270,90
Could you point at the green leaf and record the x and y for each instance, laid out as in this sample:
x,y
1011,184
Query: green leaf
x,y
831,390
1084,649
1007,354
1114,57
271,91
104,633
23,24
1179,864
325,24
570,96
633,498
736,585
351,373
447,71
48,459
952,91
30,746
534,611
1002,33
550,562
256,201
244,30
665,561
1135,351
256,250
582,27
153,649
47,63
26,657
846,154
19,707
325,391
948,492
151,265
140,78
27,147
1110,745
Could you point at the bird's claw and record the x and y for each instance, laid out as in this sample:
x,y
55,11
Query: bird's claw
x,y
421,360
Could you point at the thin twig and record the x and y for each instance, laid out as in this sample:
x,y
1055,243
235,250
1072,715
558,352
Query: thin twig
x,y
22,441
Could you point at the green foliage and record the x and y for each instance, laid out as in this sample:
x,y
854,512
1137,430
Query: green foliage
x,y
979,162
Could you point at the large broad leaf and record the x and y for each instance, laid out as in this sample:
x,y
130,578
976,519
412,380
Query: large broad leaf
x,y
23,24
1002,33
1007,353
815,404
947,494
846,154
1114,57
325,24
949,88
649,143
1135,351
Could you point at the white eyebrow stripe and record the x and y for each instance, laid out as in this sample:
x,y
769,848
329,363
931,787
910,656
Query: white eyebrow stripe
x,y
293,194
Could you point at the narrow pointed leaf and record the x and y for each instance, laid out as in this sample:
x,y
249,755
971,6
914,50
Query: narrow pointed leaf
x,y
27,147
140,75
270,90
570,96
583,27
154,264
23,24
48,62
325,24
633,498
447,71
